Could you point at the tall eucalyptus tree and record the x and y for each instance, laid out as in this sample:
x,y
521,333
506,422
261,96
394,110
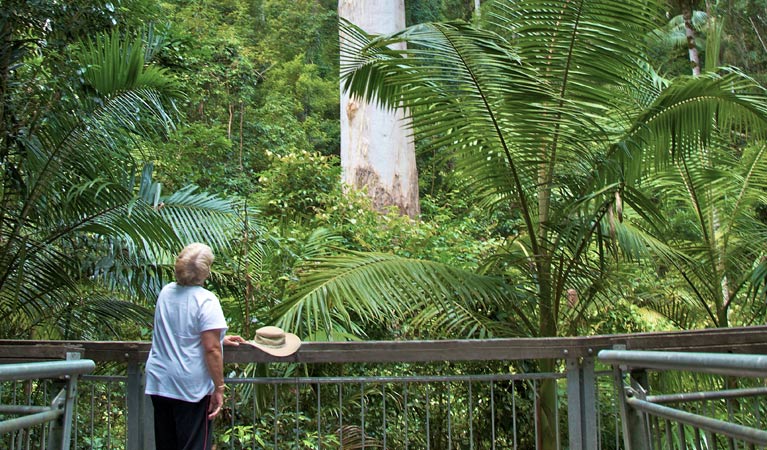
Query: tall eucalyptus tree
x,y
377,152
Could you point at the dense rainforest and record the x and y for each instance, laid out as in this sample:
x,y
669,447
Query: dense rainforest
x,y
131,127
596,167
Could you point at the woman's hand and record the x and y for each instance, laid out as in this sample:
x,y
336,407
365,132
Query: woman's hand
x,y
215,404
233,340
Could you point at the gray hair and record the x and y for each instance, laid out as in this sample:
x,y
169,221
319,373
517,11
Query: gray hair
x,y
193,264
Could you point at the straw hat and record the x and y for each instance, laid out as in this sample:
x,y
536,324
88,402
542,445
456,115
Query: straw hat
x,y
275,341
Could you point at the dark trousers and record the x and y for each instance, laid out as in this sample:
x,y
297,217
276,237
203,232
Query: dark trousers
x,y
180,425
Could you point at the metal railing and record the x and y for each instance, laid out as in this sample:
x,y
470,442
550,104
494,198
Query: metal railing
x,y
58,414
452,394
410,410
705,419
470,411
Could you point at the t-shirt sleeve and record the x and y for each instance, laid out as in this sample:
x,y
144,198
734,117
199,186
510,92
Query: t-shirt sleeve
x,y
211,315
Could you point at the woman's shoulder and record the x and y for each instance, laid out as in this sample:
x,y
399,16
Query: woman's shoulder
x,y
168,289
202,294
199,292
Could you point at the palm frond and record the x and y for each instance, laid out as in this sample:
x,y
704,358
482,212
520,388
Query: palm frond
x,y
101,316
111,63
200,217
687,115
33,280
337,291
583,46
71,212
680,309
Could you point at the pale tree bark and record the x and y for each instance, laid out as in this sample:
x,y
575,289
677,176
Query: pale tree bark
x,y
377,153
689,31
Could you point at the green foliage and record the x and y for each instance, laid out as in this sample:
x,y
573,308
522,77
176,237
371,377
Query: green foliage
x,y
296,431
249,87
745,41
110,63
420,11
446,237
717,198
566,148
622,316
302,27
85,231
299,184
298,109
259,81
193,154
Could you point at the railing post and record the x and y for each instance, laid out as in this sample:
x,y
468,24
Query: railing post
x,y
581,404
636,434
135,399
148,416
60,430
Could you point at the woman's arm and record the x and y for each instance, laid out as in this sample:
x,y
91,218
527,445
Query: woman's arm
x,y
214,359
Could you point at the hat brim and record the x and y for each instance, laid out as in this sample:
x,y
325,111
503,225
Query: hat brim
x,y
292,344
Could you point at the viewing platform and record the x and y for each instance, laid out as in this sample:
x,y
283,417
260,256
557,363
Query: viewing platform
x,y
700,389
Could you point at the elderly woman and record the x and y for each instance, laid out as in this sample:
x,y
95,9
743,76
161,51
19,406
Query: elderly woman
x,y
185,369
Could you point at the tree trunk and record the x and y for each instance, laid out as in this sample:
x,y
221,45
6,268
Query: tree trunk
x,y
547,405
689,31
377,154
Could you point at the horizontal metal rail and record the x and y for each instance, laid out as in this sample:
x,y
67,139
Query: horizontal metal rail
x,y
397,379
59,412
733,430
6,426
708,395
22,409
48,369
713,363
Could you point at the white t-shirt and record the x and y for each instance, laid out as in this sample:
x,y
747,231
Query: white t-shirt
x,y
176,366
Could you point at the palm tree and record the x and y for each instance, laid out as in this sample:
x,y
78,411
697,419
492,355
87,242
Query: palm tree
x,y
719,193
554,112
84,241
718,257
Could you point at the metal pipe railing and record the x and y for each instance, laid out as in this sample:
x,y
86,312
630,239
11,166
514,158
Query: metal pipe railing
x,y
708,395
732,430
46,369
714,363
387,411
60,411
31,420
646,420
